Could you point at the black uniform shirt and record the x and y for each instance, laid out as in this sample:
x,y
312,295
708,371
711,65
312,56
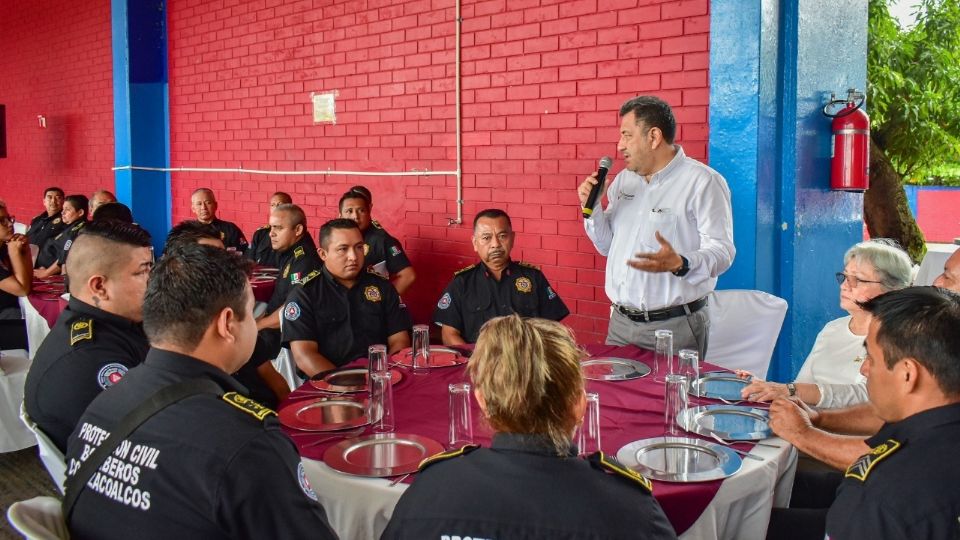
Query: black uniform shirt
x,y
43,228
65,239
231,235
906,487
260,250
474,296
87,351
7,300
382,253
344,322
520,488
295,265
206,467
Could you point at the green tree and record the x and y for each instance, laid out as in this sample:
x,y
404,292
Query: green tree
x,y
914,97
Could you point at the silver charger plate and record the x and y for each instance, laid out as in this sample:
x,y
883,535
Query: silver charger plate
x,y
719,385
324,414
440,357
731,422
349,381
680,459
381,454
613,369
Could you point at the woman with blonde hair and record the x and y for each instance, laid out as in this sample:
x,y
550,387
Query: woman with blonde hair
x,y
529,483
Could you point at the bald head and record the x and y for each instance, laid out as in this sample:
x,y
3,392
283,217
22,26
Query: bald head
x,y
100,198
950,278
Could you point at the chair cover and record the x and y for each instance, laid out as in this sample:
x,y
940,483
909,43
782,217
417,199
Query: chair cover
x,y
39,518
13,374
50,455
744,326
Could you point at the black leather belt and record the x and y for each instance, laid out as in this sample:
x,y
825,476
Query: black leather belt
x,y
638,315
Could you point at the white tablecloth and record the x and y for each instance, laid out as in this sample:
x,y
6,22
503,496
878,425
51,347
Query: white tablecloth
x,y
361,507
932,265
37,327
13,373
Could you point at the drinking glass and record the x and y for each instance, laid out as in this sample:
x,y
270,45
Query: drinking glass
x,y
461,424
376,362
663,355
588,434
689,365
421,349
380,408
675,402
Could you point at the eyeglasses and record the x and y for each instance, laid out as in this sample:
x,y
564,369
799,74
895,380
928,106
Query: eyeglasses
x,y
10,220
853,281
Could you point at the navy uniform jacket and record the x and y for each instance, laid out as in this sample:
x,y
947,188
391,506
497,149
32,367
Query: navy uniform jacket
x,y
383,254
344,322
520,488
906,487
474,296
65,239
43,228
260,250
206,467
87,351
231,235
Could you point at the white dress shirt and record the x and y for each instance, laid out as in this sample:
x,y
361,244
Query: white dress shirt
x,y
689,203
834,365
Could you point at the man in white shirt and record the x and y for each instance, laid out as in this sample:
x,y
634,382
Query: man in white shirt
x,y
669,218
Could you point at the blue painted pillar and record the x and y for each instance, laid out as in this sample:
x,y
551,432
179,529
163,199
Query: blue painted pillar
x,y
772,65
141,118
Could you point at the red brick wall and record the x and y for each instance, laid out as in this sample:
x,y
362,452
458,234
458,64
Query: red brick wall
x,y
542,82
55,61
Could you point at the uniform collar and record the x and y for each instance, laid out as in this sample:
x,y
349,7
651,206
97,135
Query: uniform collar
x,y
665,172
189,366
305,241
507,270
527,443
46,217
77,306
919,424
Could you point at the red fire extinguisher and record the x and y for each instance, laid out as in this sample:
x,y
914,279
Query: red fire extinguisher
x,y
850,144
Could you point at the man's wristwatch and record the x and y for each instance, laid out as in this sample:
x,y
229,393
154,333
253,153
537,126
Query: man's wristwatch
x,y
791,389
684,267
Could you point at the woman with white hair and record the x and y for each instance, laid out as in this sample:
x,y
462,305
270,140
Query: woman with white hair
x,y
830,376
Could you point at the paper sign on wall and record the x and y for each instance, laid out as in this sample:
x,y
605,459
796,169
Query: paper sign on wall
x,y
324,108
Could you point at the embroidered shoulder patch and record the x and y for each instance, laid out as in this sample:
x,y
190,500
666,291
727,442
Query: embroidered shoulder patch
x,y
56,221
286,270
292,311
372,293
523,284
462,270
81,330
310,276
111,374
248,405
299,252
304,483
66,246
603,462
550,294
445,301
862,467
437,458
395,251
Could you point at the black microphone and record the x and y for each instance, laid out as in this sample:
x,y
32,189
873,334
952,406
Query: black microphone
x,y
605,164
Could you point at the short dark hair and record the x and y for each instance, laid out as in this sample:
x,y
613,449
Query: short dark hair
x,y
921,323
491,213
118,231
297,215
363,191
79,202
188,289
653,112
327,229
54,189
283,195
115,211
354,194
189,232
103,247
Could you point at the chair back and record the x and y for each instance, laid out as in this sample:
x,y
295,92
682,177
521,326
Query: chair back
x,y
744,326
285,365
50,455
34,251
39,518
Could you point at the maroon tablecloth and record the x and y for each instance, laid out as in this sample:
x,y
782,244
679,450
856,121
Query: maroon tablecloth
x,y
263,288
45,298
629,411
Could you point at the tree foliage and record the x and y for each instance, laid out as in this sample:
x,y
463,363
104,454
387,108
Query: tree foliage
x,y
914,85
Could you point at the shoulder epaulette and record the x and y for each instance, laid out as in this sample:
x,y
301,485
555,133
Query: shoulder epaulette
x,y
464,269
376,224
298,252
603,462
862,467
81,330
267,226
442,456
248,405
311,275
528,265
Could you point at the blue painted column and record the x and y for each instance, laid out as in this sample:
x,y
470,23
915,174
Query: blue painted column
x,y
772,65
141,119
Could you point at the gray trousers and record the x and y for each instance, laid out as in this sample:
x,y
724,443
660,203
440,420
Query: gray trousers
x,y
689,332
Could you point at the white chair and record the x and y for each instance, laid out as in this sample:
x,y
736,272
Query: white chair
x,y
14,366
50,455
744,326
39,518
285,365
34,251
20,228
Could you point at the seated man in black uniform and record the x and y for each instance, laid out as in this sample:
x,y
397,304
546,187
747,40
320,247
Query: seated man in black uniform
x,y
341,310
529,483
75,219
382,253
98,337
204,206
211,466
260,250
48,224
495,286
